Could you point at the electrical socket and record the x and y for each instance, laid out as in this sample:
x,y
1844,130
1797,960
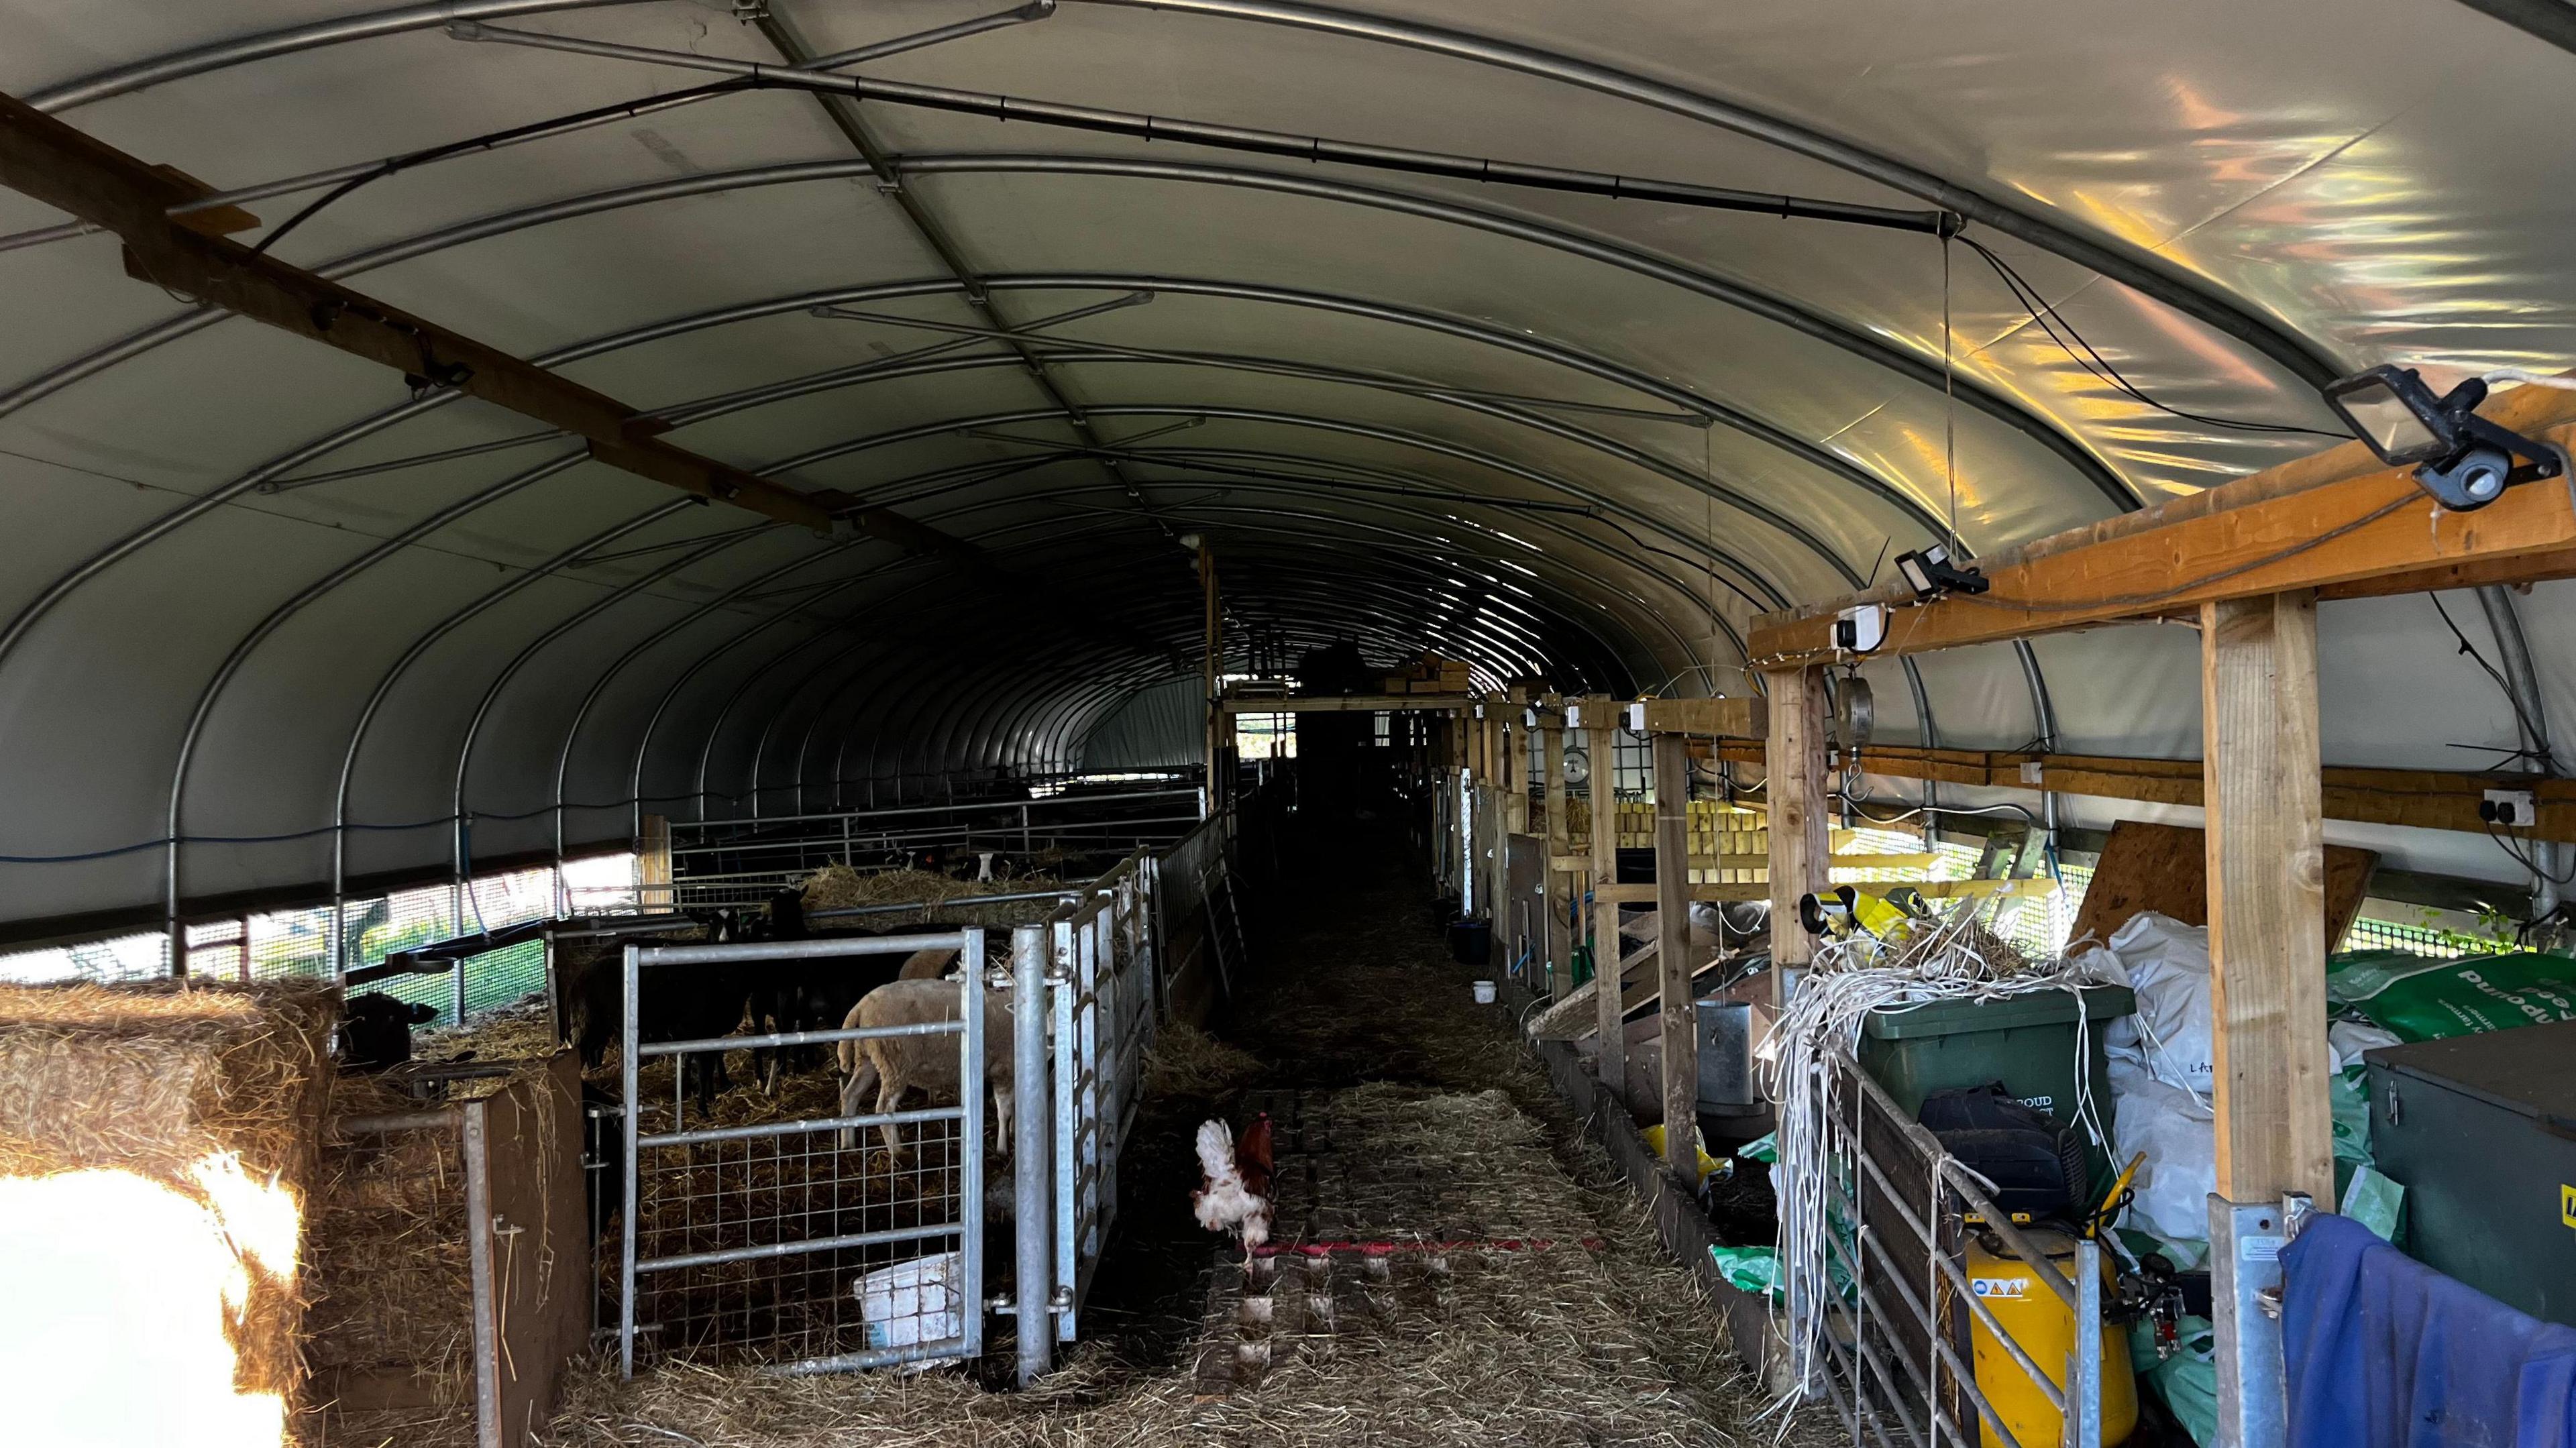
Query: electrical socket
x,y
2512,808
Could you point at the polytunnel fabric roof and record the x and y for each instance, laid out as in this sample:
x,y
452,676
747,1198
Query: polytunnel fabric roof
x,y
253,590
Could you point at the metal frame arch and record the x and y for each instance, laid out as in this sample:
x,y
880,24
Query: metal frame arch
x,y
412,653
2147,274
599,685
1410,561
724,711
1566,601
1688,646
218,55
1535,523
209,693
1640,263
482,710
1507,609
777,715
1091,355
257,478
1395,436
1232,474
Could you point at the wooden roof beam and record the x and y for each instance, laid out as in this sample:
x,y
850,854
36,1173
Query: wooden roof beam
x,y
71,171
2338,522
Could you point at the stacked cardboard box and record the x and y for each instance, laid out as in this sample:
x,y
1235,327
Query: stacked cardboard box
x,y
1429,674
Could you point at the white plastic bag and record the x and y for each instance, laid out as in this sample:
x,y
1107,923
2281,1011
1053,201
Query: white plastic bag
x,y
2180,1137
2167,964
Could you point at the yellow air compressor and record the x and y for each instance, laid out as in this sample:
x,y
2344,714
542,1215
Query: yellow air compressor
x,y
2041,1322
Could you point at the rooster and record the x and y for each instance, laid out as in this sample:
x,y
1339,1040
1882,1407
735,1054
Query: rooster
x,y
1236,1193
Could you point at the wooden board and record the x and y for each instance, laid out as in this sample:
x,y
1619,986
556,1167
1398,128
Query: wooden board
x,y
539,1245
2338,519
2165,868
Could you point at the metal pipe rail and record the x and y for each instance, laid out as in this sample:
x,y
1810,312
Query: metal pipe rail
x,y
1845,1328
965,1290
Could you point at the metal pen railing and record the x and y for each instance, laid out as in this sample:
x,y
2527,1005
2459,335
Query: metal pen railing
x,y
1878,1154
947,1319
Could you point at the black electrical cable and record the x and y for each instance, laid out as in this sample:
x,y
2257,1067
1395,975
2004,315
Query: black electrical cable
x,y
392,164
2088,357
2530,729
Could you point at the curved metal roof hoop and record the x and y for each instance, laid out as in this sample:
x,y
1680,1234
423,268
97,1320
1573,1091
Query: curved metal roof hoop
x,y
2149,275
249,642
1671,272
412,653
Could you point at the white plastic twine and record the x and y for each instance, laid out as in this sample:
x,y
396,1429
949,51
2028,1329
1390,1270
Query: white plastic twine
x,y
1817,1037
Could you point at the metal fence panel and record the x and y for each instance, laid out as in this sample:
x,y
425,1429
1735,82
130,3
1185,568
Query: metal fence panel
x,y
1103,976
776,1237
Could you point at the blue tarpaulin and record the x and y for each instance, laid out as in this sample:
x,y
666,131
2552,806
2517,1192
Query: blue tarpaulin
x,y
2385,1352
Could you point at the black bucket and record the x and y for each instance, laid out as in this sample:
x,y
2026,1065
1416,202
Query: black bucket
x,y
1471,942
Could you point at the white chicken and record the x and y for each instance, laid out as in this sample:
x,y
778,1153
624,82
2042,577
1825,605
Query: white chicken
x,y
1227,1202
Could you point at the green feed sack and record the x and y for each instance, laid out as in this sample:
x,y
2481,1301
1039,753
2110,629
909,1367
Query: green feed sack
x,y
1748,1269
2348,1092
1765,1149
2187,1381
2377,1202
2427,1000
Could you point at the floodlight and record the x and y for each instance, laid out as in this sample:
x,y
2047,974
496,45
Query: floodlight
x,y
1930,573
2463,460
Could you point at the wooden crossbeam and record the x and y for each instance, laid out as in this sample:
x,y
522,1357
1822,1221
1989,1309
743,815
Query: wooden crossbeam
x,y
67,169
2337,522
2432,799
1348,703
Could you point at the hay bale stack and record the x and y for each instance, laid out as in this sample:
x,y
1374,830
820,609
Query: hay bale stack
x,y
836,887
193,1110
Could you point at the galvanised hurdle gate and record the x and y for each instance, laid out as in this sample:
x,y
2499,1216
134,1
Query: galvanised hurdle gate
x,y
769,1238
1102,954
772,1236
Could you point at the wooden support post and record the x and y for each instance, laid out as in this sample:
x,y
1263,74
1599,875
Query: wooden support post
x,y
1211,679
653,874
1554,888
1612,1058
1794,757
1672,956
1497,815
2266,843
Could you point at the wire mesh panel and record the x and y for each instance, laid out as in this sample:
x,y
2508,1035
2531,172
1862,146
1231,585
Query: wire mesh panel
x,y
1103,968
782,1227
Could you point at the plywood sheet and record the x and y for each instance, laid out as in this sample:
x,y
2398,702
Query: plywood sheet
x,y
2165,868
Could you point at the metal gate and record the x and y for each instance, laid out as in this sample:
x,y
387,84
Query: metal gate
x,y
1101,954
1893,1340
771,1238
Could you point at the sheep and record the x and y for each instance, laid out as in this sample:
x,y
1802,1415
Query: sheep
x,y
375,1031
893,1065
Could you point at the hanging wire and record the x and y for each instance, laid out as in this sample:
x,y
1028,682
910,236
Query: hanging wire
x,y
1949,403
2090,358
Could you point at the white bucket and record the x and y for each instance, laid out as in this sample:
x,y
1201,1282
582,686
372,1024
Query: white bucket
x,y
1484,990
911,1303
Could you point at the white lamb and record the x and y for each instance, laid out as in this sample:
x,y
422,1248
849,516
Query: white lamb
x,y
892,1065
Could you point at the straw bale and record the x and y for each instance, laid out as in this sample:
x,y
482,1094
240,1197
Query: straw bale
x,y
838,886
158,1079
